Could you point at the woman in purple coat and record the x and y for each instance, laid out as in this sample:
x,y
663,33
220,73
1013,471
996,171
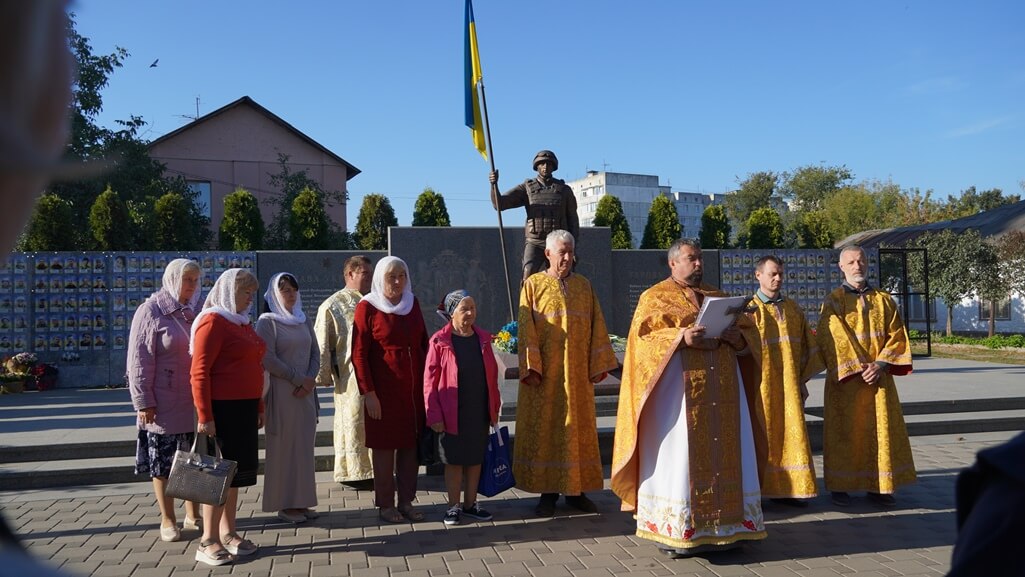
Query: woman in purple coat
x,y
158,376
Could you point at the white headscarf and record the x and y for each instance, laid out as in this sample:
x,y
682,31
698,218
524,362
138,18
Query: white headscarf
x,y
376,296
173,281
296,316
221,301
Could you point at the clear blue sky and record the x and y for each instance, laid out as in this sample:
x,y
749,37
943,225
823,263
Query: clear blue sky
x,y
928,94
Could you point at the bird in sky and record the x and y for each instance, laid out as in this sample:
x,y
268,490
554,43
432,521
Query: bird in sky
x,y
154,65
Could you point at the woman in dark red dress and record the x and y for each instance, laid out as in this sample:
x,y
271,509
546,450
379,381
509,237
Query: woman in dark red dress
x,y
389,348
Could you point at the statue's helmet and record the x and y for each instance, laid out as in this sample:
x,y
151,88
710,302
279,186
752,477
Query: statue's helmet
x,y
549,156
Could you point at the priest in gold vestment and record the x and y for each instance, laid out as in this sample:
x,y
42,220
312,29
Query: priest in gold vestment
x,y
564,349
688,432
864,344
790,357
353,465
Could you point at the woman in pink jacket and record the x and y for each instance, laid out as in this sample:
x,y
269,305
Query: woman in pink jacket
x,y
462,401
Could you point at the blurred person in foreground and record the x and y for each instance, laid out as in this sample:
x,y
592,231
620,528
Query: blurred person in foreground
x,y
158,377
35,93
227,389
564,350
291,361
353,465
462,401
990,505
863,341
689,436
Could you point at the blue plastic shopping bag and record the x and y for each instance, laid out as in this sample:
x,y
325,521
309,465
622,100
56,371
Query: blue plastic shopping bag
x,y
496,473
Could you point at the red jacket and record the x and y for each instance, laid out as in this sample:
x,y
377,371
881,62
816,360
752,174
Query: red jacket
x,y
441,379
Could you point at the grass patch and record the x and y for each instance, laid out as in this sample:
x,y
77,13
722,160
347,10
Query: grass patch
x,y
981,353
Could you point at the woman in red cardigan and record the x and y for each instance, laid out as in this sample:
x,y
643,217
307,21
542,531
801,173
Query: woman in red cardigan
x,y
227,388
389,344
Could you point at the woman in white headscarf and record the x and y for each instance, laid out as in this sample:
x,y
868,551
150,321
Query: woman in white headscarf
x,y
389,348
292,361
227,387
158,377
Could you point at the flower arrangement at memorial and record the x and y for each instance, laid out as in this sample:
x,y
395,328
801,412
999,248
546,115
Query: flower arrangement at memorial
x,y
17,370
505,339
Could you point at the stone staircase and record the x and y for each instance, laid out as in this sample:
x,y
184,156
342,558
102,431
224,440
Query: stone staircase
x,y
84,457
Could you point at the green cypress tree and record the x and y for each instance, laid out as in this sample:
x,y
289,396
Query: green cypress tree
x,y
764,229
663,226
110,222
49,228
173,225
715,228
609,212
430,209
375,216
242,226
308,224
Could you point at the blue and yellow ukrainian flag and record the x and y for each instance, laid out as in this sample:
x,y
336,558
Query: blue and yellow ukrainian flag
x,y
473,79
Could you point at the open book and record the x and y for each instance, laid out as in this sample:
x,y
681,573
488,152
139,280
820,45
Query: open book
x,y
718,313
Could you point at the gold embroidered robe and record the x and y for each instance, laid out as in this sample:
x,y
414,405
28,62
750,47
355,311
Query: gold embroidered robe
x,y
334,329
718,508
790,357
865,441
562,336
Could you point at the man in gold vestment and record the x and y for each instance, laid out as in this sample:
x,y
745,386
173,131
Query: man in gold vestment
x,y
353,465
564,349
863,343
685,458
790,357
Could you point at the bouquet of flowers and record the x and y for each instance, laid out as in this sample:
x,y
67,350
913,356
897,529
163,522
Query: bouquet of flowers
x,y
505,339
21,363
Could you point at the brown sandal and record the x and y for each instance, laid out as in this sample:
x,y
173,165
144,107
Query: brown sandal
x,y
391,515
411,513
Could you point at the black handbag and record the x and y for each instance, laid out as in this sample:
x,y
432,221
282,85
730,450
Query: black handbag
x,y
427,447
201,478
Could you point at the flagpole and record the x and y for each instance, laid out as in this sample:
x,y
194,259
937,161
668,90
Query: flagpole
x,y
495,194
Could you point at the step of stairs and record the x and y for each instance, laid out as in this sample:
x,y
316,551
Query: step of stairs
x,y
75,464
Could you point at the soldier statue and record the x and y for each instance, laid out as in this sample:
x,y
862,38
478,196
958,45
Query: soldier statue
x,y
550,206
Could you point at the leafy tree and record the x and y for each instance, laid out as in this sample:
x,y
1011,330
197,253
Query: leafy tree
x,y
173,226
242,225
136,176
109,222
715,228
308,227
430,209
1011,251
375,216
810,186
288,184
609,212
48,228
756,191
972,202
663,226
952,258
813,230
990,284
764,229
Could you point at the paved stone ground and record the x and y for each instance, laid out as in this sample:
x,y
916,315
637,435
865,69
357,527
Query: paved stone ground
x,y
111,530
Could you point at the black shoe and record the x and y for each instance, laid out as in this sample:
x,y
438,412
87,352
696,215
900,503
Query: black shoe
x,y
672,553
882,499
790,502
582,503
841,499
361,485
475,512
546,505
